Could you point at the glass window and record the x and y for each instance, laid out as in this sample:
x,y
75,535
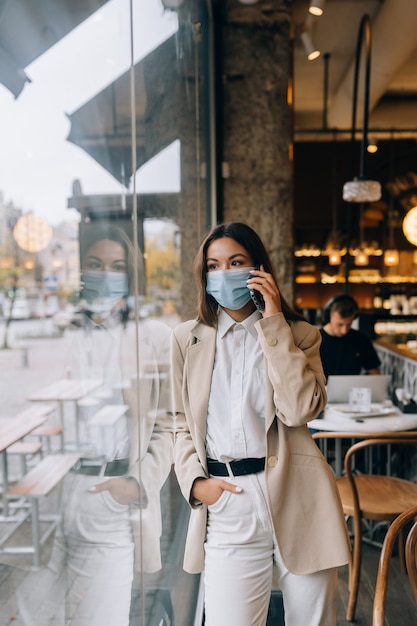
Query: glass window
x,y
105,176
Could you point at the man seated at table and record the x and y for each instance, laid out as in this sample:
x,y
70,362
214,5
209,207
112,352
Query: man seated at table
x,y
344,350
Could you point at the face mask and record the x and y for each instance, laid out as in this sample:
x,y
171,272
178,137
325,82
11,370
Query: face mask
x,y
229,288
104,285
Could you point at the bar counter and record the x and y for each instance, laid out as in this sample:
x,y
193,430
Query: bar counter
x,y
402,349
400,362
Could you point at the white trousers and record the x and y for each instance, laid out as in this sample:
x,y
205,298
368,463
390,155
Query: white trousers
x,y
242,561
88,580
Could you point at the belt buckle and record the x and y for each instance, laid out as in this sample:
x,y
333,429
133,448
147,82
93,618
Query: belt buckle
x,y
228,465
97,466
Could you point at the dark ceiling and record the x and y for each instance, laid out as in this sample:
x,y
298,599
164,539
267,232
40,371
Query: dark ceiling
x,y
323,99
393,67
324,167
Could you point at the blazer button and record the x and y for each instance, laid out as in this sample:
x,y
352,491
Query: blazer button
x,y
272,341
272,461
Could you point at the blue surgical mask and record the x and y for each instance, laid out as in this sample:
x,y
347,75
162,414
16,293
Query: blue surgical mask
x,y
104,285
229,288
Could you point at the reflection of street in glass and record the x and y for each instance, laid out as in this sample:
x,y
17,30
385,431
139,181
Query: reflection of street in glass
x,y
47,356
110,519
110,514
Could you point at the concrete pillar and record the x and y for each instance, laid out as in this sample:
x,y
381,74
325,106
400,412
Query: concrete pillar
x,y
256,125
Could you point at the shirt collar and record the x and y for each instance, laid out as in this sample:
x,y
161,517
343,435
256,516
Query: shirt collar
x,y
225,323
110,323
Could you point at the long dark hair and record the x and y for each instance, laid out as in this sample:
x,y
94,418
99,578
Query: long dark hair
x,y
244,235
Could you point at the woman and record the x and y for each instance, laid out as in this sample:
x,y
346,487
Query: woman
x,y
245,385
111,500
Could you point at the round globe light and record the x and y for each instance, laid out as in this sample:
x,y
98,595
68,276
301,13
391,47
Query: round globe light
x,y
410,226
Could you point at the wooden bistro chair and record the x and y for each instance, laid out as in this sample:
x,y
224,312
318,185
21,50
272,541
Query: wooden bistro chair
x,y
394,531
370,497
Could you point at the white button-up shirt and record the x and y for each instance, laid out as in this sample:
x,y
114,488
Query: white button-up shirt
x,y
236,410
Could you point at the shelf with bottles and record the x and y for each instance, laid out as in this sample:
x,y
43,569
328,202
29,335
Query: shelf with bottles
x,y
395,323
400,331
316,269
380,302
396,299
368,276
406,350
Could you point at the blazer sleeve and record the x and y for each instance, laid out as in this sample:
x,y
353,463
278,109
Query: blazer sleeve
x,y
292,352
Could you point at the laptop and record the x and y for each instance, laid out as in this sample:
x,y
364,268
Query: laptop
x,y
338,387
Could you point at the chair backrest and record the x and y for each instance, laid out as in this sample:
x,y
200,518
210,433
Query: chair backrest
x,y
373,440
365,440
397,526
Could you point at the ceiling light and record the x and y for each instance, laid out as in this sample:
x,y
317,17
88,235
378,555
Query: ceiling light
x,y
410,226
248,1
361,258
391,257
316,7
334,257
361,191
372,146
309,47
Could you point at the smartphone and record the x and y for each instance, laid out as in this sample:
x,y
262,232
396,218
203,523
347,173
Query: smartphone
x,y
257,297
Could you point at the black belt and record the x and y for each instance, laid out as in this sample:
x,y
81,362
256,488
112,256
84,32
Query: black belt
x,y
239,468
89,467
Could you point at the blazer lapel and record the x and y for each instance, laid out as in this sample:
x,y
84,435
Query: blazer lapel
x,y
200,362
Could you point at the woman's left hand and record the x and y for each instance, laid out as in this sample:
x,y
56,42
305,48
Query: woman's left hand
x,y
123,490
266,285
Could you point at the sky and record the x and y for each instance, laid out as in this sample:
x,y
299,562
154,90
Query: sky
x,y
38,165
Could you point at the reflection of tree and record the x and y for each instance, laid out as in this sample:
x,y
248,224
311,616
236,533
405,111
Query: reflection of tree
x,y
8,283
162,264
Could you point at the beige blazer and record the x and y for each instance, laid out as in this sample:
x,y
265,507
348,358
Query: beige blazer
x,y
305,505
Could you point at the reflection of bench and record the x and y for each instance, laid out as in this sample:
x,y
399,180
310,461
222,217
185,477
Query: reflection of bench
x,y
39,410
47,432
25,449
106,427
38,482
108,415
30,448
44,432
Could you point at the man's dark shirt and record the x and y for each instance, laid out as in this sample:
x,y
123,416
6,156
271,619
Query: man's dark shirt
x,y
350,354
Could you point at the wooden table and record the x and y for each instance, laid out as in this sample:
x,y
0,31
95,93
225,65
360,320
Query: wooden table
x,y
333,421
66,390
12,429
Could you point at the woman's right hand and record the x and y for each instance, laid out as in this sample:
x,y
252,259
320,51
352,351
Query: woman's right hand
x,y
209,490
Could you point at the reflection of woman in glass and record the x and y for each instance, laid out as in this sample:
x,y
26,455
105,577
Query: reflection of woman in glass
x,y
105,271
246,383
110,500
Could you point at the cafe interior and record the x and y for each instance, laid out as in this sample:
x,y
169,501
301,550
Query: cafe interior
x,y
298,117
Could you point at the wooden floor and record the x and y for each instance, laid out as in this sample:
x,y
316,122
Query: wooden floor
x,y
401,609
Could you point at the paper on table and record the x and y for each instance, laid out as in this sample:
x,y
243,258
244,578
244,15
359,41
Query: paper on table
x,y
377,410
